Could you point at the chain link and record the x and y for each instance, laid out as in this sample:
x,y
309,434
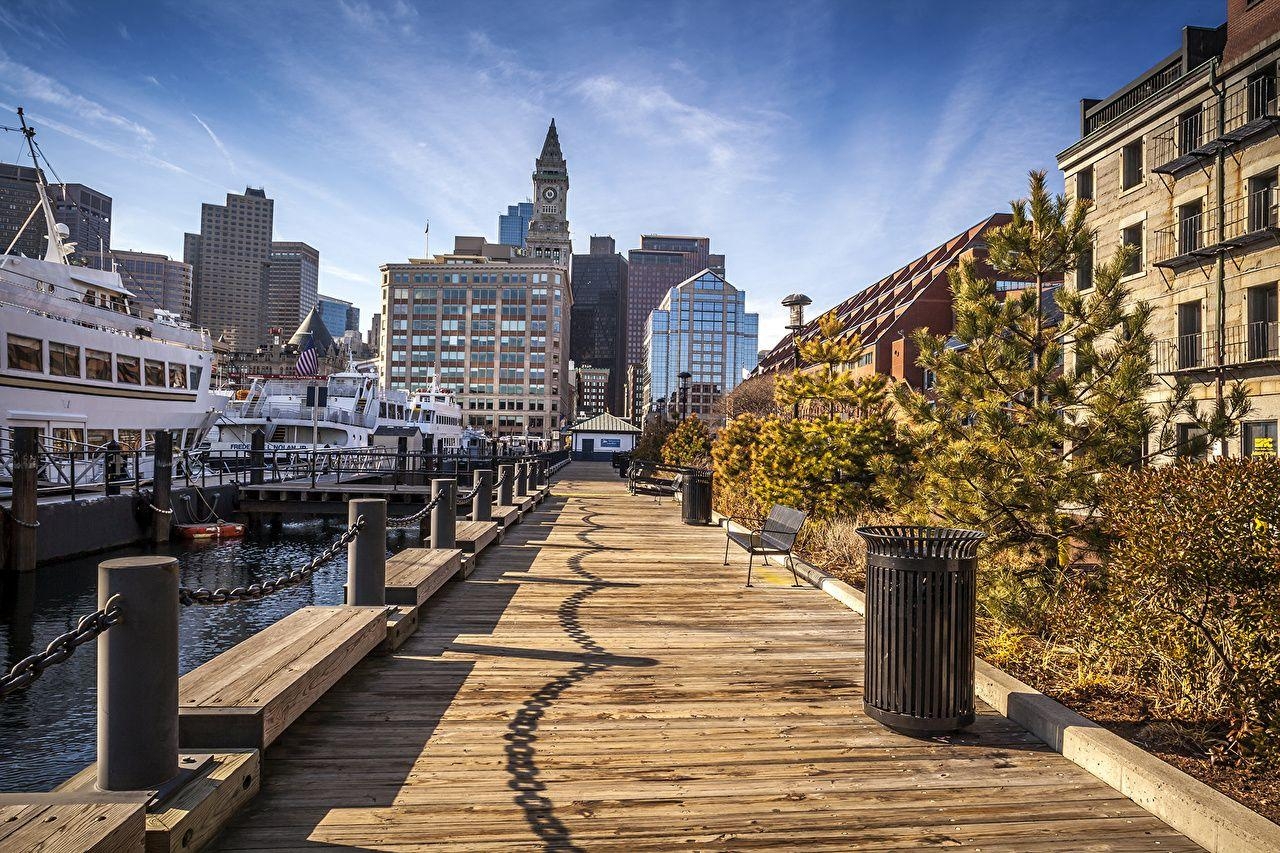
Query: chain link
x,y
466,497
405,521
29,525
87,629
157,509
257,591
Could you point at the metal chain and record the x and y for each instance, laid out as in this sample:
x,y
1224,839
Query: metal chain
x,y
257,591
30,525
466,497
88,628
157,509
404,521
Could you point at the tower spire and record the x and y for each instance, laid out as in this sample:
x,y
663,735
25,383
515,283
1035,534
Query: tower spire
x,y
551,145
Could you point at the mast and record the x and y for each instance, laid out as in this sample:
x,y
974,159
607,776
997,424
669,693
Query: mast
x,y
53,252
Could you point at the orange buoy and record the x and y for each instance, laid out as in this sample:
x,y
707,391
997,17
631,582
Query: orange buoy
x,y
220,530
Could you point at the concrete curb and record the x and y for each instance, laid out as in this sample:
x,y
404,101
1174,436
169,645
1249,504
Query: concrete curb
x,y
1207,817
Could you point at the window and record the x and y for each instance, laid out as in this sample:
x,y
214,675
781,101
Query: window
x,y
1131,164
1084,270
1189,131
1189,227
1262,201
155,374
25,354
1192,442
1084,185
1262,94
128,371
1260,438
195,372
1132,236
97,365
1190,338
64,359
1261,307
177,376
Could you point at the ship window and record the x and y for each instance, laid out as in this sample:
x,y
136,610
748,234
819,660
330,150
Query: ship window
x,y
155,374
128,372
130,439
177,376
25,354
97,365
194,373
67,439
64,359
99,437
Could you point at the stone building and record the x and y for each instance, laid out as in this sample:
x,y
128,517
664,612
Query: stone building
x,y
293,283
1182,163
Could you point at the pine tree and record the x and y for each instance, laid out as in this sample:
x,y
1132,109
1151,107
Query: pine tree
x,y
689,445
652,436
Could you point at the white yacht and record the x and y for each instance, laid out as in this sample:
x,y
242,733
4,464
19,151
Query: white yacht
x,y
86,365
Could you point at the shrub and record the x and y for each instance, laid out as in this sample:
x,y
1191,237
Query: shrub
x,y
689,445
1195,574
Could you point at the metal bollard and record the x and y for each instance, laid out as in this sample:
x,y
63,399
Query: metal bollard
x,y
522,479
506,473
111,468
542,472
367,553
482,503
444,518
138,675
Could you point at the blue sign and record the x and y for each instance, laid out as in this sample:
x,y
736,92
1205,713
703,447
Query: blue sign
x,y
611,442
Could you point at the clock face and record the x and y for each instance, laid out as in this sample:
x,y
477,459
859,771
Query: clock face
x,y
549,193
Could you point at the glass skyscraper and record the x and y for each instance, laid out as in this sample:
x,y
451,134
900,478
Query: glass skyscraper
x,y
701,327
513,226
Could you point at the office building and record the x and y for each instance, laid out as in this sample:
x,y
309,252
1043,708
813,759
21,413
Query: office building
x,y
374,335
885,314
661,262
513,226
591,392
633,394
156,281
598,336
336,314
230,261
18,197
293,282
1182,164
491,326
87,215
701,327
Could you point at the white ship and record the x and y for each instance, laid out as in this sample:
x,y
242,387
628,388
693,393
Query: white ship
x,y
351,409
86,365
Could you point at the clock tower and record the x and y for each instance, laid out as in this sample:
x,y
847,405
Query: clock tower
x,y
549,229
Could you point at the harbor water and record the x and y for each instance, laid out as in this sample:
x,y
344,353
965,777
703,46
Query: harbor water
x,y
47,732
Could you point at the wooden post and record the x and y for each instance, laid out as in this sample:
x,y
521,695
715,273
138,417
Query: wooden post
x,y
23,521
444,518
138,675
367,553
482,503
161,486
257,456
522,479
506,474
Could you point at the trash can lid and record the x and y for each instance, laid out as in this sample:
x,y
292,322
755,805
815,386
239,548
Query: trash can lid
x,y
920,541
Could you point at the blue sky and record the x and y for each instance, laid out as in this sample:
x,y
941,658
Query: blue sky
x,y
820,144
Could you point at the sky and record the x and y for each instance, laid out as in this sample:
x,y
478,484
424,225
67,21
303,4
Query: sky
x,y
821,145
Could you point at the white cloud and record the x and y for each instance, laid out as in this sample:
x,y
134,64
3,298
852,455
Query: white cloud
x,y
22,82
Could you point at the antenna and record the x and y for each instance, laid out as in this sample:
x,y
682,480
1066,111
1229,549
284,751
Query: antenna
x,y
426,240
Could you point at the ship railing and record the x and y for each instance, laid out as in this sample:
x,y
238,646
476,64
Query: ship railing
x,y
46,311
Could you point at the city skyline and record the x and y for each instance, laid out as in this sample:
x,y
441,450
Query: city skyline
x,y
787,139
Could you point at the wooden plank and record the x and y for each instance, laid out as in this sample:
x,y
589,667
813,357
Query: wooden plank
x,y
402,621
603,682
415,574
57,823
506,515
250,693
475,536
194,814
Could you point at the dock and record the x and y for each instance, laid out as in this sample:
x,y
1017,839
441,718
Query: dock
x,y
602,682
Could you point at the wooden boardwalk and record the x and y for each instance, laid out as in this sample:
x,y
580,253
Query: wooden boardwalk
x,y
603,682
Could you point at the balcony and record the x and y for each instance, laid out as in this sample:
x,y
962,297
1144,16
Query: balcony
x,y
1246,221
1249,107
1248,344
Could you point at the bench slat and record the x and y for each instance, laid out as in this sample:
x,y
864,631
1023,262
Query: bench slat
x,y
415,574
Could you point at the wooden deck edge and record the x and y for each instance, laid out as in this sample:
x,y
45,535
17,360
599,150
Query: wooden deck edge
x,y
1206,816
402,621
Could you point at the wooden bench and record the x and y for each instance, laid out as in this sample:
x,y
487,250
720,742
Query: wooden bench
x,y
415,574
506,515
248,695
647,478
474,536
776,536
100,824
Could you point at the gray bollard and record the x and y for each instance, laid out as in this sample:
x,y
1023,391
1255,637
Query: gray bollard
x,y
444,518
506,473
138,675
482,503
522,479
531,476
542,472
257,457
367,553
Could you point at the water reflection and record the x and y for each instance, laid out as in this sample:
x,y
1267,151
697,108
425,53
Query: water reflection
x,y
47,732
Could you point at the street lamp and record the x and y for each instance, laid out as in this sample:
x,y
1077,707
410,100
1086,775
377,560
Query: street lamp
x,y
684,376
795,304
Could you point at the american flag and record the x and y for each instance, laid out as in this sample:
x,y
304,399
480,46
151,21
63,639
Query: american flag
x,y
306,365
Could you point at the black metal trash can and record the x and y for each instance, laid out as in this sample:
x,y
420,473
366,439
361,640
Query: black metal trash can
x,y
921,584
622,461
695,497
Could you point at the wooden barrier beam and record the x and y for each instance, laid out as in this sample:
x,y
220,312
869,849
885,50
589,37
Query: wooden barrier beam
x,y
94,823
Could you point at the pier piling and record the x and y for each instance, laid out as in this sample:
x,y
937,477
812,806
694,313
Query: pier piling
x,y
138,674
506,482
482,503
444,518
26,464
522,478
161,486
367,553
